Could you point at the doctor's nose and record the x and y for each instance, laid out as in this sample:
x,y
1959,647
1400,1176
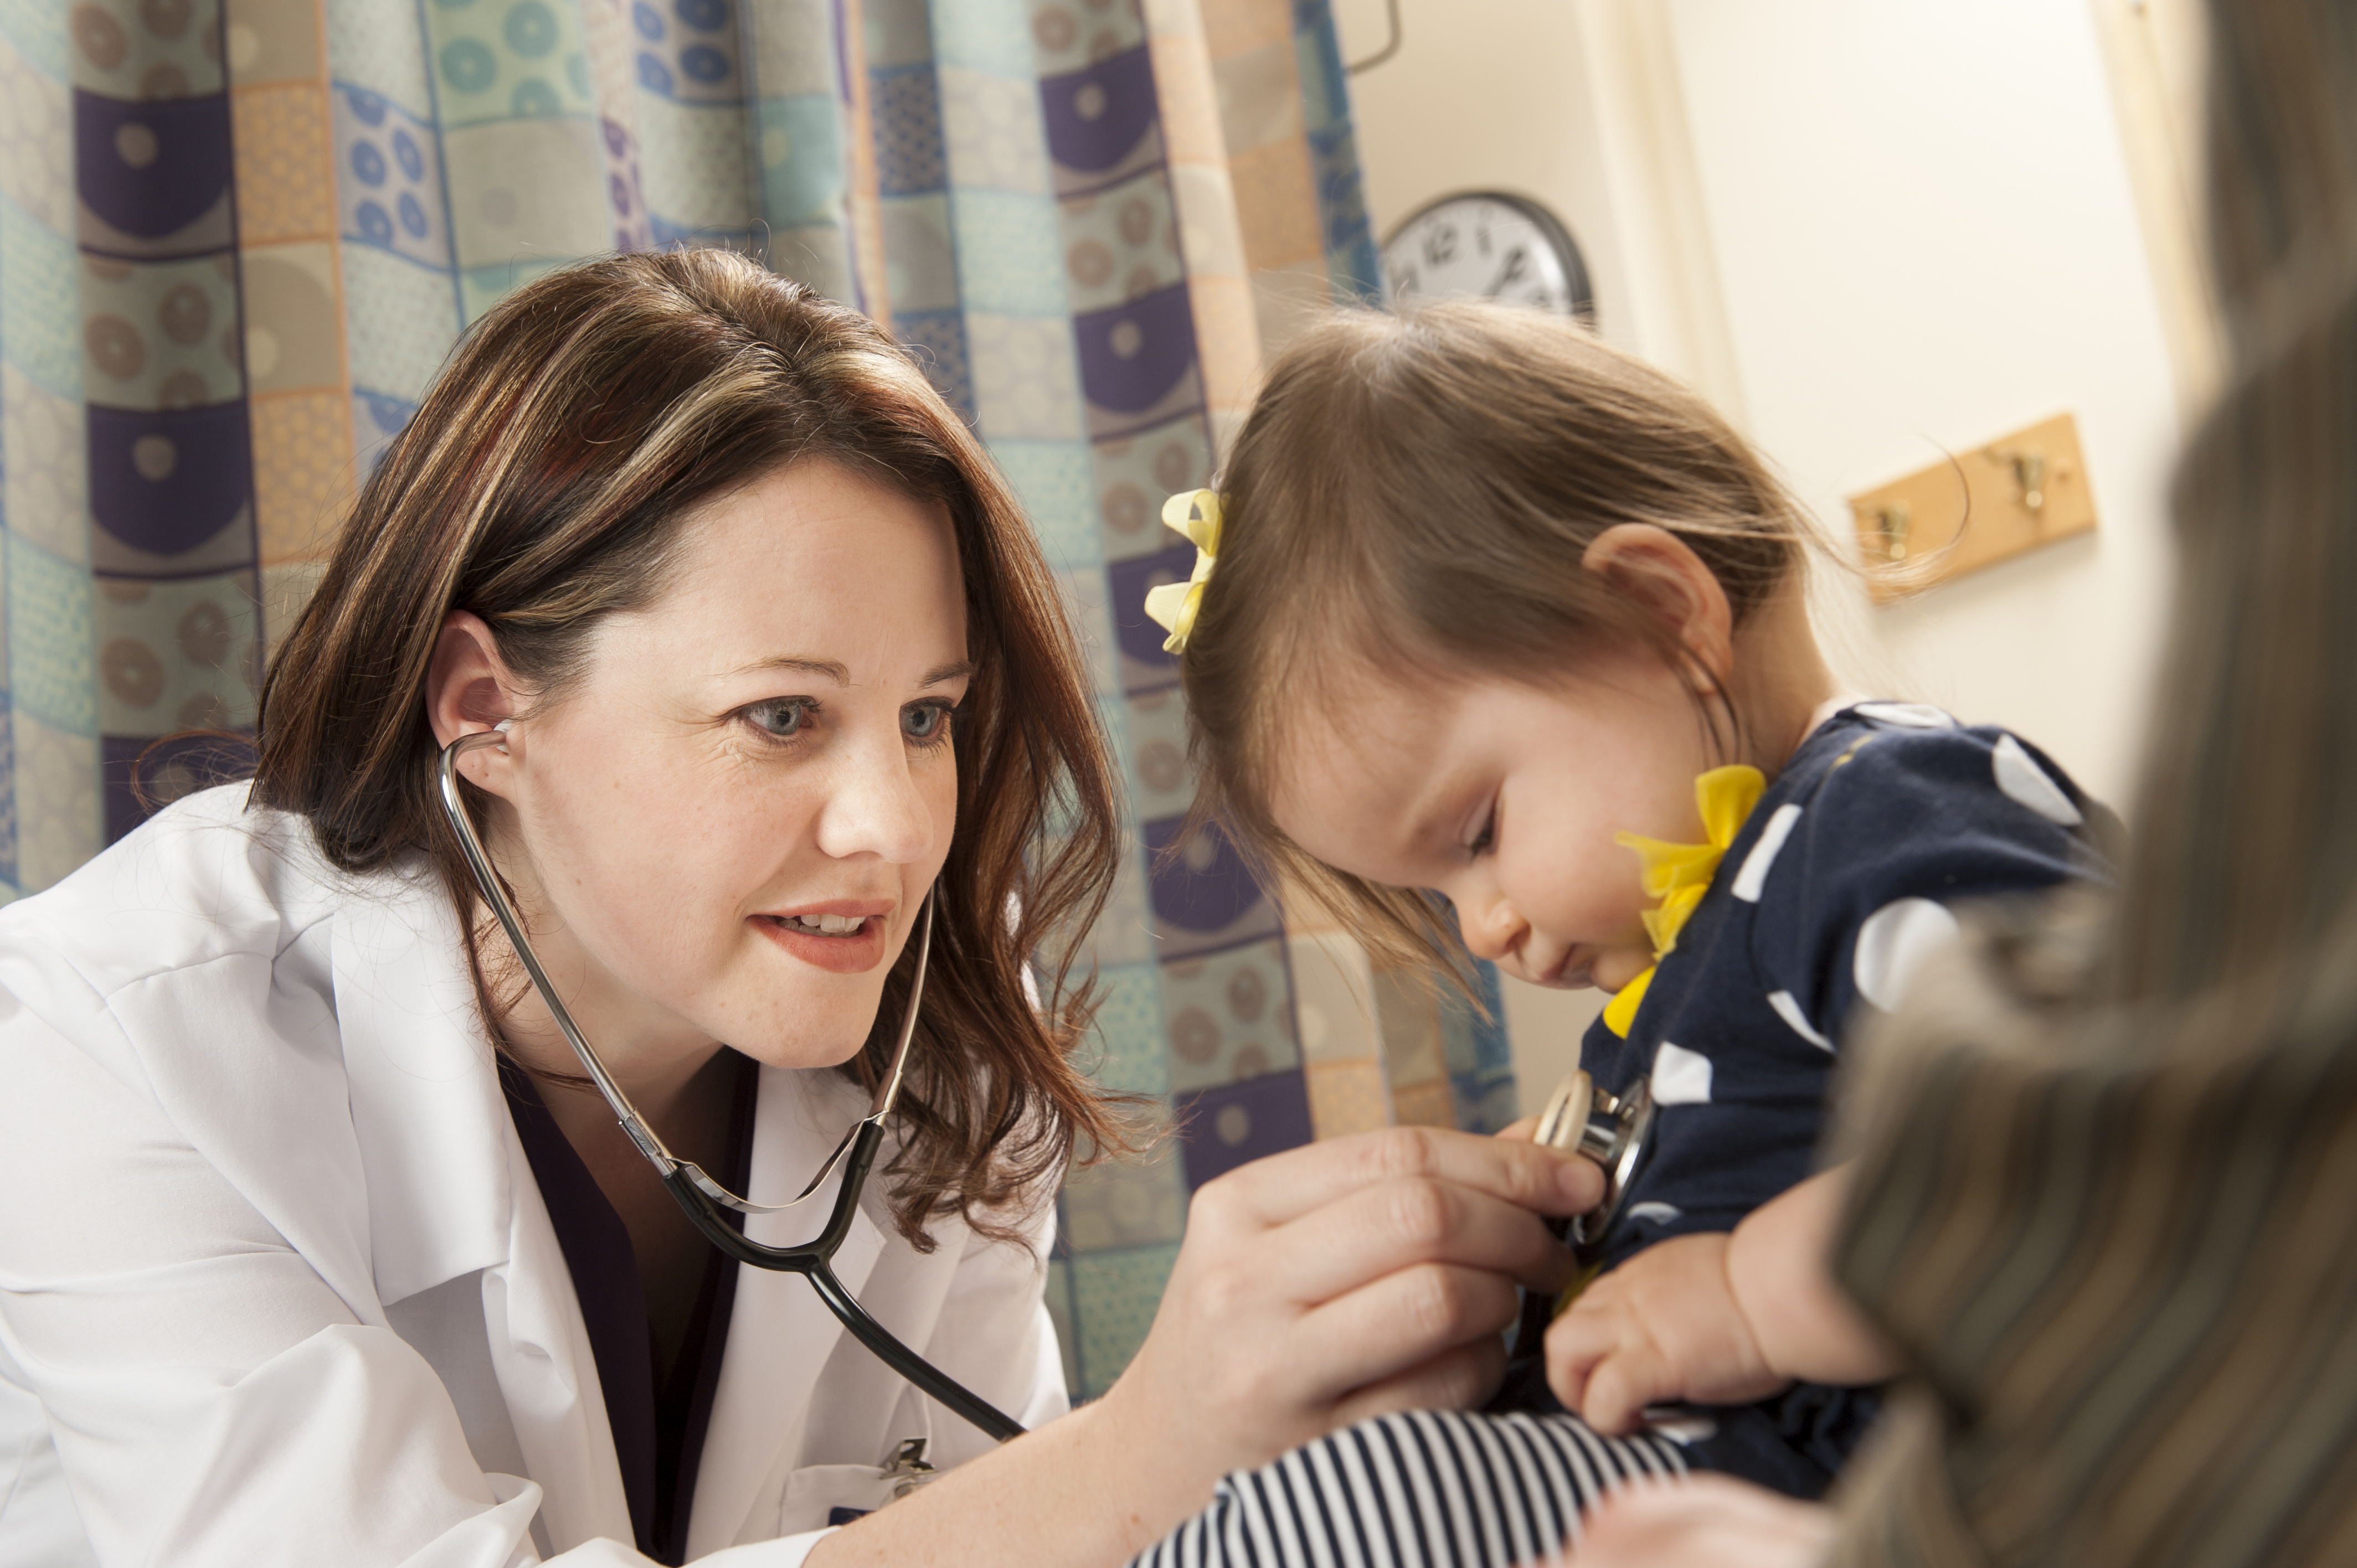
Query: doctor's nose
x,y
877,807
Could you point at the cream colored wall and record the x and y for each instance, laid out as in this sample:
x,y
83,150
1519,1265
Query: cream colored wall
x,y
1870,229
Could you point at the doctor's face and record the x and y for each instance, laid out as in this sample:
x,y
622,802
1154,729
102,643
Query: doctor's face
x,y
727,824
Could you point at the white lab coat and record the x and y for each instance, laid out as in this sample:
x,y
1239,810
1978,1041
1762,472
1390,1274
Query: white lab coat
x,y
276,1285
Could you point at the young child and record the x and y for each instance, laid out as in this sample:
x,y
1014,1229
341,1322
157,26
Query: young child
x,y
1488,611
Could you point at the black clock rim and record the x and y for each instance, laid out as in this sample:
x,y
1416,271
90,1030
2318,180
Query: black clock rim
x,y
1574,271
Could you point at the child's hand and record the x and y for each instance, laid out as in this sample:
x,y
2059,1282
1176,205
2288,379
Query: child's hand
x,y
1707,1520
1663,1325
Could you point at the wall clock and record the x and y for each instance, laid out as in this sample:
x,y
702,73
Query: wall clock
x,y
1488,245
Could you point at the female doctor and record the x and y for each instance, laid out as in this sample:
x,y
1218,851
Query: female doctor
x,y
316,1246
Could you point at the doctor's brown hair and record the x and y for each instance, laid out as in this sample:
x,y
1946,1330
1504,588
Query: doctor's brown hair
x,y
548,479
1413,496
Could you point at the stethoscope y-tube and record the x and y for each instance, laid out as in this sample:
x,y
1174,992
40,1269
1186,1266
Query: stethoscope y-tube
x,y
700,1198
814,1260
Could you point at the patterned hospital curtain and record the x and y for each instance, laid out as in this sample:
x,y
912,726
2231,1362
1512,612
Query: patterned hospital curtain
x,y
237,240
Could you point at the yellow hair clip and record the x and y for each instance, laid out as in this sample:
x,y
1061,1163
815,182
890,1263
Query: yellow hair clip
x,y
1196,514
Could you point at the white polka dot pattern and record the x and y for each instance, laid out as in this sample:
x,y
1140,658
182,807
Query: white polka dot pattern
x,y
1655,1213
1681,1076
1788,1009
1893,943
1753,878
1907,715
2019,774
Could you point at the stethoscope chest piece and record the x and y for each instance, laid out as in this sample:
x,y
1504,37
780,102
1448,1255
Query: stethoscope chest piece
x,y
1608,1129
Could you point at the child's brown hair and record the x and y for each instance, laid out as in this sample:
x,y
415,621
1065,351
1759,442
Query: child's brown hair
x,y
1419,490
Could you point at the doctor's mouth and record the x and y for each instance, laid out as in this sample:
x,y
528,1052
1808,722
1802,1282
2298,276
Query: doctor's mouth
x,y
842,936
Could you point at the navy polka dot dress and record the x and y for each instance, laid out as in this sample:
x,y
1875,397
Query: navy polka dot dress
x,y
1840,883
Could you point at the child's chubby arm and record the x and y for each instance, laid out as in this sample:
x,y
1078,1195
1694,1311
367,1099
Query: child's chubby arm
x,y
1720,1319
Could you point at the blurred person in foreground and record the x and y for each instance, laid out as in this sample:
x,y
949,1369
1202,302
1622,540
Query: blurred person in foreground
x,y
2106,1164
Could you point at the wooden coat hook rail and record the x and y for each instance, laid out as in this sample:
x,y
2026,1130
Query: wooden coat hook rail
x,y
1987,505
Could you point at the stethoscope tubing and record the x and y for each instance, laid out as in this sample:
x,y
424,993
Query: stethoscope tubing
x,y
814,1260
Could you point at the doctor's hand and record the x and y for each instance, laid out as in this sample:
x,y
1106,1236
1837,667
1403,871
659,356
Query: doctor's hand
x,y
1344,1280
1663,1325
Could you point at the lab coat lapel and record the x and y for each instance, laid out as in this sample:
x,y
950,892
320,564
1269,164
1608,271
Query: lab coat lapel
x,y
779,1333
450,1192
425,1092
548,1375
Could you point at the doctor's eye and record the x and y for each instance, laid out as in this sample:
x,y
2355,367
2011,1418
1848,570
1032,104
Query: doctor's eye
x,y
781,718
926,724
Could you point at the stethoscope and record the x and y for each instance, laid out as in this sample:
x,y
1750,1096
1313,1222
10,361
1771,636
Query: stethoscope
x,y
1613,1130
698,1196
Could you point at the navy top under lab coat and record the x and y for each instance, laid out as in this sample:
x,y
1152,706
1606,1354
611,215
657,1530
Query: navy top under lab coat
x,y
1838,884
659,1417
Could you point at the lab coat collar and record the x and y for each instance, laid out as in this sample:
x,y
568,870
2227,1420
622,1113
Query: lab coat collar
x,y
434,1131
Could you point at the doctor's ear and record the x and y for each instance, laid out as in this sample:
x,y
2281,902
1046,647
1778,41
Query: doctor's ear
x,y
468,686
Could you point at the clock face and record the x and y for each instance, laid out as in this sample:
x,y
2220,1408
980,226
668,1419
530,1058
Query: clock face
x,y
1489,246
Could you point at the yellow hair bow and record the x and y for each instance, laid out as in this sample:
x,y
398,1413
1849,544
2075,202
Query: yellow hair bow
x,y
1680,874
1196,514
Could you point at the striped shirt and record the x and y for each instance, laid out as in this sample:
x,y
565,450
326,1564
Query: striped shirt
x,y
1418,1490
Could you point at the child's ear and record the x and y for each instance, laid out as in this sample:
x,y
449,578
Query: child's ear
x,y
1659,573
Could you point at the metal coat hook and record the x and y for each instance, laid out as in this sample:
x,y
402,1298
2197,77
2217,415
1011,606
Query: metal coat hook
x,y
1894,520
2031,474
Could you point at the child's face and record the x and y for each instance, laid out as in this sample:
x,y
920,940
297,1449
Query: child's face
x,y
1506,798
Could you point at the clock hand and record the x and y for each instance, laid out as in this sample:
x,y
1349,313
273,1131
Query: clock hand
x,y
1511,272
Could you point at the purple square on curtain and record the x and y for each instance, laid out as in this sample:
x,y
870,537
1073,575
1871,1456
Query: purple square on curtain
x,y
1135,633
151,168
1236,1123
166,480
1095,117
1133,355
906,106
936,339
1202,888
